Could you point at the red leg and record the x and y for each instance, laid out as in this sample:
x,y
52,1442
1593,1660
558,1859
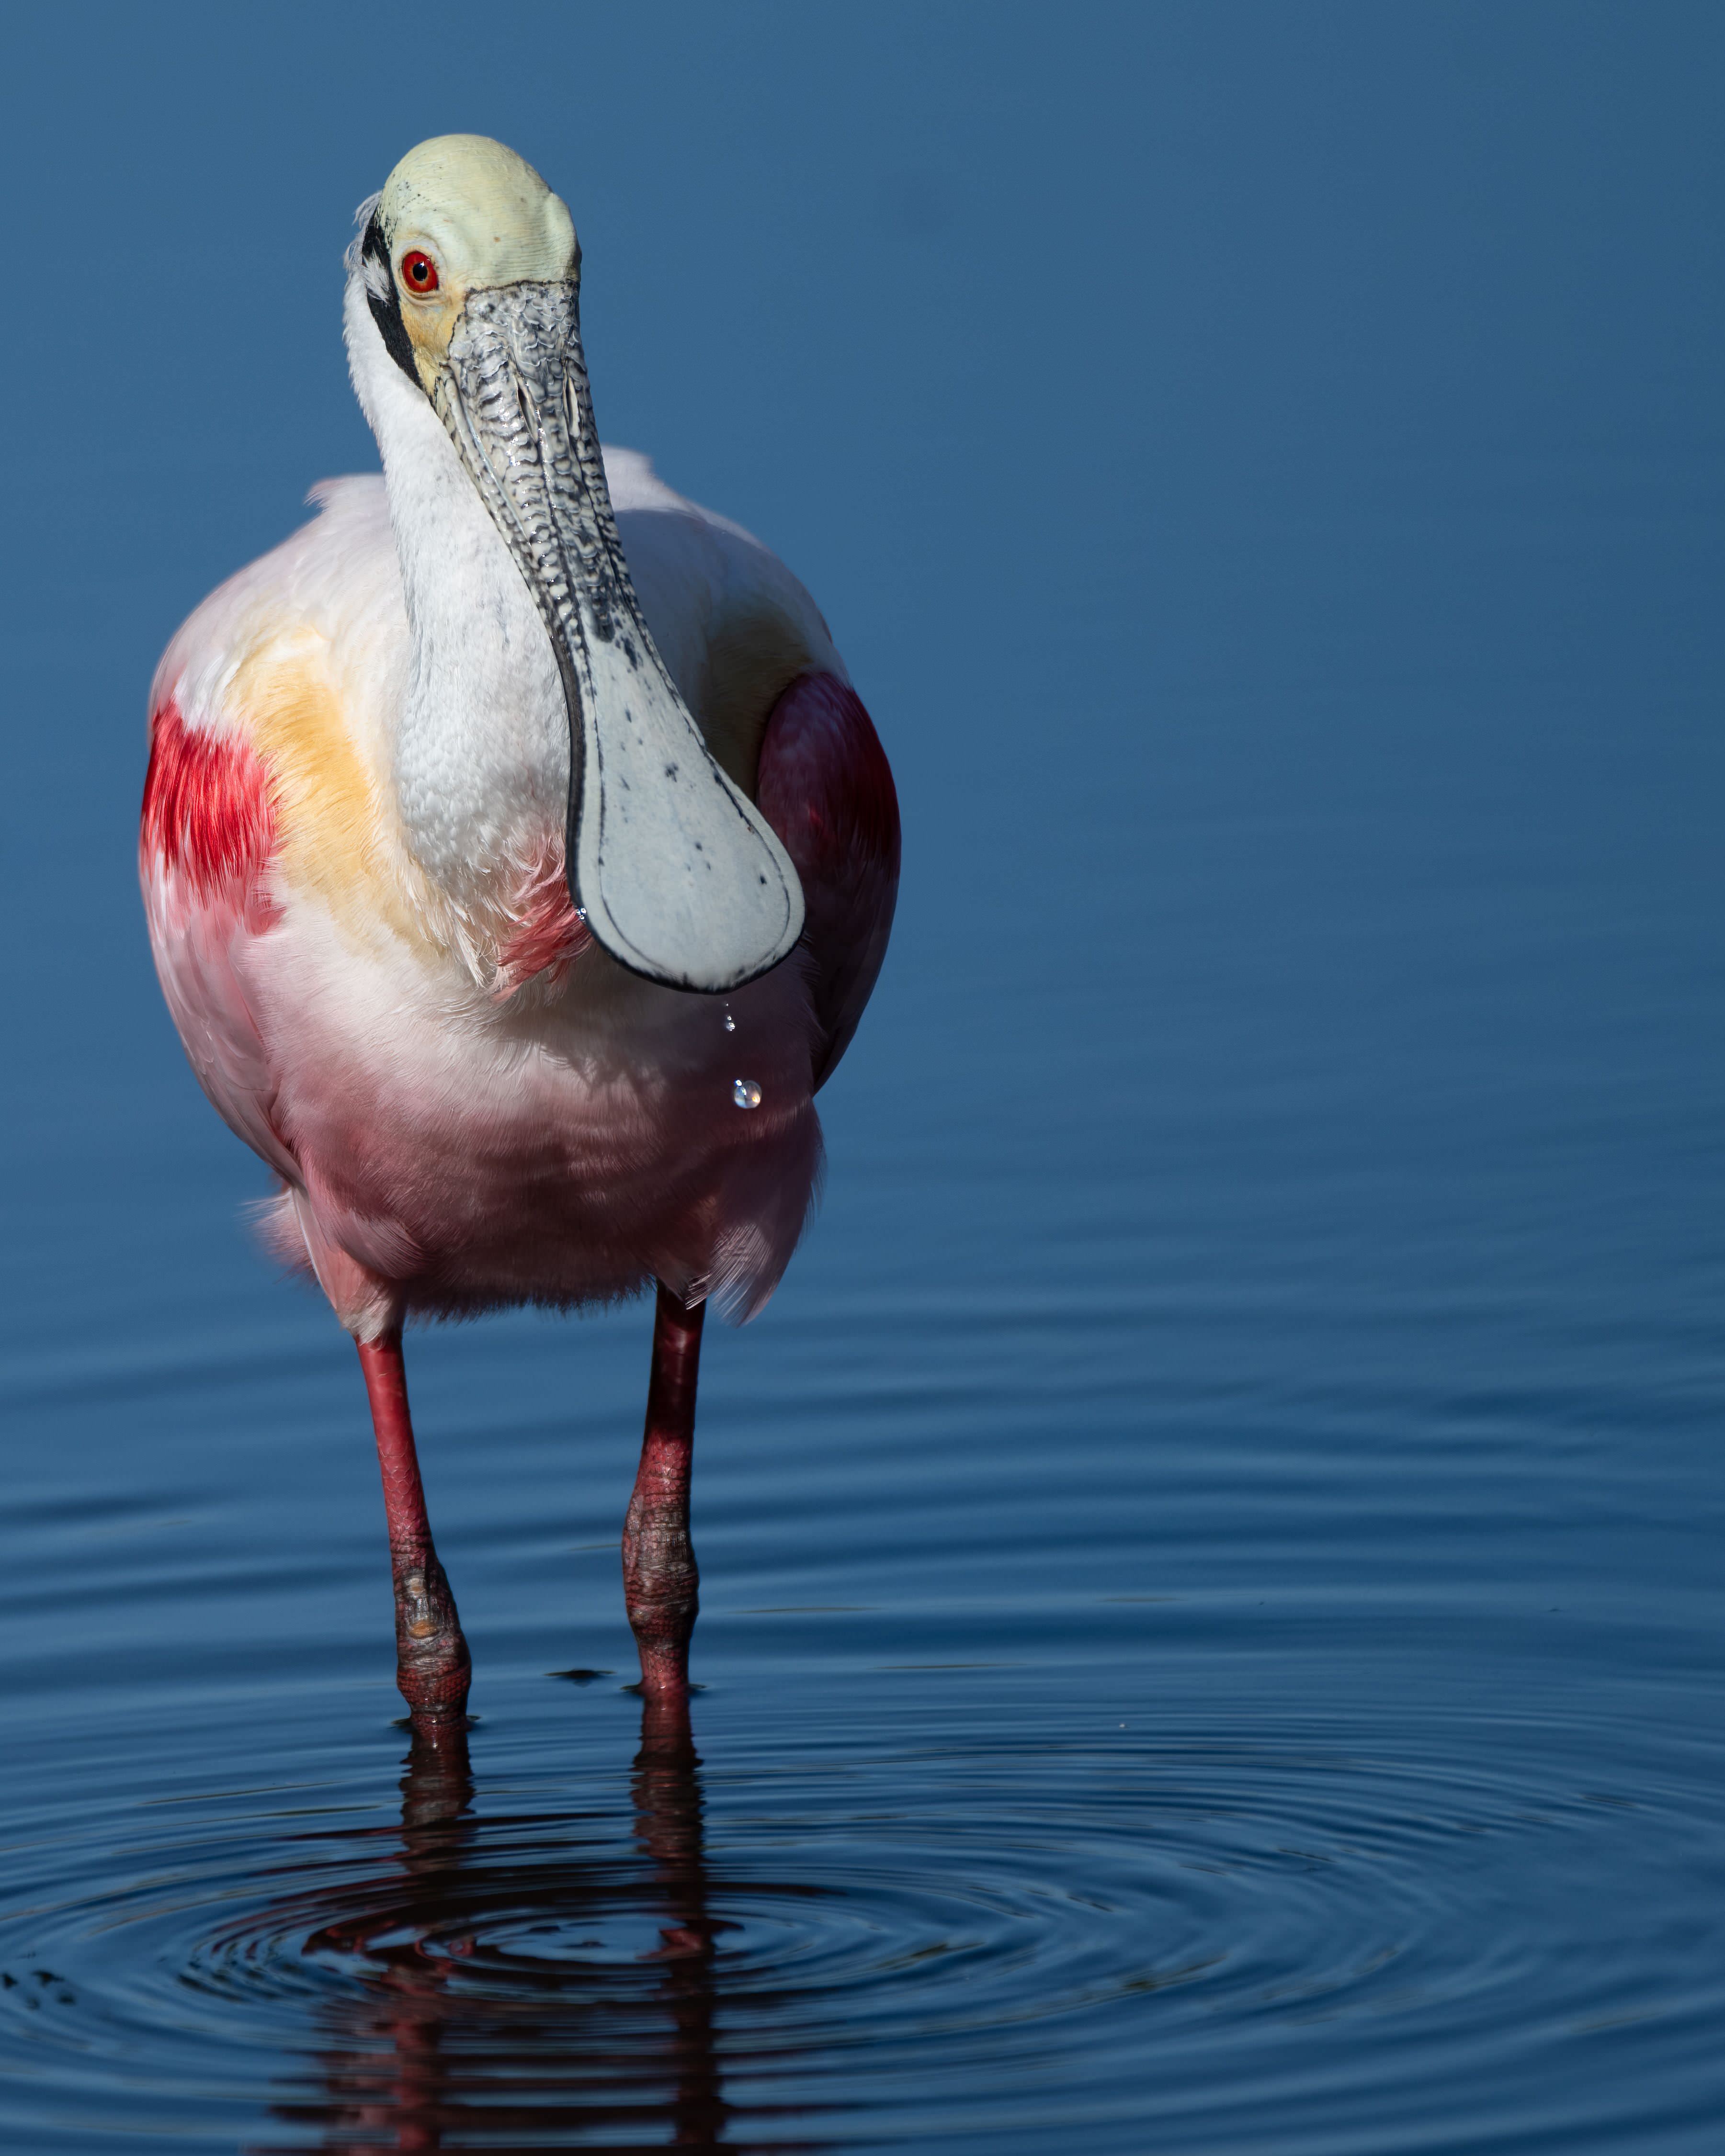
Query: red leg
x,y
660,1582
432,1661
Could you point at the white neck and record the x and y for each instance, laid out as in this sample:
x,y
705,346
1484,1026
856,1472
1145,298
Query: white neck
x,y
481,753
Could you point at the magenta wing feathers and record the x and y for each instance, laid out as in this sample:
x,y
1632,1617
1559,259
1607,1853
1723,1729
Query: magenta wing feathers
x,y
204,844
826,787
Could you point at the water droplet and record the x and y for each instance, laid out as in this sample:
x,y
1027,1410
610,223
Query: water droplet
x,y
730,1022
746,1093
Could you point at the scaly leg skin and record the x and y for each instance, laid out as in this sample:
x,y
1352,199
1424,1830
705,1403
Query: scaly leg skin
x,y
660,1583
433,1665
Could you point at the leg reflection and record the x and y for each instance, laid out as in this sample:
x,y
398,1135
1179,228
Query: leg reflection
x,y
669,1828
525,1981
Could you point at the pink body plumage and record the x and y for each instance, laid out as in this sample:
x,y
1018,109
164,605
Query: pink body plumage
x,y
471,1103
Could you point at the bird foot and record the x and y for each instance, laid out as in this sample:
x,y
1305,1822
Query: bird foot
x,y
433,1665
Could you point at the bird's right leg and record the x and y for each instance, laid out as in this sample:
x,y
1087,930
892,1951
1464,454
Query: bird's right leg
x,y
433,1665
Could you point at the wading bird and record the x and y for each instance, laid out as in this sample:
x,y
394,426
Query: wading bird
x,y
518,860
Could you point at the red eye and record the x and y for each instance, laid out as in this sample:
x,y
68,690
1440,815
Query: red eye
x,y
419,272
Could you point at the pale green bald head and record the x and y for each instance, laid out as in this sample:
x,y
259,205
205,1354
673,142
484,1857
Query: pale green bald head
x,y
462,214
481,212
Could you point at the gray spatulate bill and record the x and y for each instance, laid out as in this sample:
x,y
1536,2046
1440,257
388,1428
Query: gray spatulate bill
x,y
677,873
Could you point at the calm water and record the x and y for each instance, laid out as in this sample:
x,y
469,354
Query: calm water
x,y
1214,1632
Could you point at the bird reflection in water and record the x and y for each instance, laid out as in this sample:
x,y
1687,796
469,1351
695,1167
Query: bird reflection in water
x,y
522,1983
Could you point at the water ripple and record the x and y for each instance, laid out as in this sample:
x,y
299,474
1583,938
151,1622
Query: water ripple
x,y
989,1939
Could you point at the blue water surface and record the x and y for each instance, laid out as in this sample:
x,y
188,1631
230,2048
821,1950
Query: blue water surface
x,y
1214,1635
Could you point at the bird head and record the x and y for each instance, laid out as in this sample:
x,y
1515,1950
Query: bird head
x,y
471,273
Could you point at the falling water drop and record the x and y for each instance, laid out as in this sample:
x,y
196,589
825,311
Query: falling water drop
x,y
746,1093
730,1022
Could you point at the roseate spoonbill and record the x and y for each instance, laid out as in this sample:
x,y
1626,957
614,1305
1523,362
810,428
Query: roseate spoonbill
x,y
518,860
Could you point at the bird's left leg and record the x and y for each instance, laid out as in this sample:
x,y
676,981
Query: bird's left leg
x,y
433,1665
660,1582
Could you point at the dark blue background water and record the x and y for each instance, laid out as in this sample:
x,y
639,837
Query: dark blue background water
x,y
1213,1633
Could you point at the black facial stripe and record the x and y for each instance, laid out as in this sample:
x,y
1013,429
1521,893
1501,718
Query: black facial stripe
x,y
387,313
